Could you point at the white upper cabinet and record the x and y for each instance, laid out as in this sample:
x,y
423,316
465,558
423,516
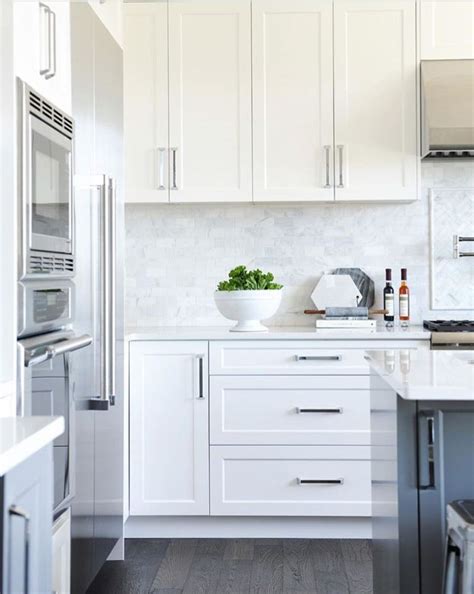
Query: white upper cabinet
x,y
42,47
292,100
110,12
146,102
376,155
210,101
447,29
169,436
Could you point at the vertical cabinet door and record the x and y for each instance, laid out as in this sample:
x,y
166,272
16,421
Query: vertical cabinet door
x,y
447,30
375,100
210,101
292,100
146,102
42,48
169,441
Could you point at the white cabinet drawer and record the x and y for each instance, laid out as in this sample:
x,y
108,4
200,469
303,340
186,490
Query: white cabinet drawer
x,y
285,358
290,481
319,410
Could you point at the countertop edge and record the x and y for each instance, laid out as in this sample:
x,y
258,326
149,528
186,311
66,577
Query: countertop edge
x,y
32,443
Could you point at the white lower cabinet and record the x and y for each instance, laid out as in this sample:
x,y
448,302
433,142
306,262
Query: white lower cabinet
x,y
285,430
169,440
290,481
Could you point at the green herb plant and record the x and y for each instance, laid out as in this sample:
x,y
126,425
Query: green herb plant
x,y
241,279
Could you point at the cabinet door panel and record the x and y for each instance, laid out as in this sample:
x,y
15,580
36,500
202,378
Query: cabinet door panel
x,y
210,101
375,100
447,30
169,472
292,100
146,102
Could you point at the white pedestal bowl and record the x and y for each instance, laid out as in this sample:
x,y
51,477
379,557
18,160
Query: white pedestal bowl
x,y
248,308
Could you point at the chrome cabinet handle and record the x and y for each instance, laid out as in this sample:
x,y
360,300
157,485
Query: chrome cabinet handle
x,y
338,410
161,168
15,510
200,359
45,57
339,481
426,450
174,183
112,198
340,148
51,44
457,253
327,150
318,357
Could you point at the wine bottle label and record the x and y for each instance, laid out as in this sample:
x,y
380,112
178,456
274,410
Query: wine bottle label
x,y
389,305
404,306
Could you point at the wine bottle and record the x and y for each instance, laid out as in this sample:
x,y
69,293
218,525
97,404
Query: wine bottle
x,y
404,300
389,299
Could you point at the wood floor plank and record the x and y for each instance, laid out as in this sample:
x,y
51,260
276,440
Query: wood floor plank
x,y
235,577
267,569
205,569
239,549
298,573
329,570
174,569
356,550
359,576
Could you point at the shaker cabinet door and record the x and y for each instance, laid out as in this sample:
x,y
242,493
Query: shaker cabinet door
x,y
169,437
292,100
447,29
210,157
375,100
145,72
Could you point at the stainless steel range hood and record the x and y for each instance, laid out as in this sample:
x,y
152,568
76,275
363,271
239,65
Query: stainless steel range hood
x,y
447,91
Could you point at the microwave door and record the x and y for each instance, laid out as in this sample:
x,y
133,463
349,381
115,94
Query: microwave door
x,y
50,209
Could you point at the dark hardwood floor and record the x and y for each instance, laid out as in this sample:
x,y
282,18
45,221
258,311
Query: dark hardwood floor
x,y
252,566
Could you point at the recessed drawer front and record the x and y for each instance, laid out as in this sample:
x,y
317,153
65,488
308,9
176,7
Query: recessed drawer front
x,y
285,358
320,410
296,481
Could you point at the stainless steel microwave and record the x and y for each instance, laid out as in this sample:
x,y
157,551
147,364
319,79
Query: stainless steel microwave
x,y
46,199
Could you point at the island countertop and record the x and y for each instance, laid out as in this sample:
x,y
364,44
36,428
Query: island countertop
x,y
425,374
21,437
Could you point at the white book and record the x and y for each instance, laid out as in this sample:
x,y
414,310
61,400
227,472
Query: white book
x,y
349,324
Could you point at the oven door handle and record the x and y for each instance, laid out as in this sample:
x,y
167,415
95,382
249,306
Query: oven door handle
x,y
60,348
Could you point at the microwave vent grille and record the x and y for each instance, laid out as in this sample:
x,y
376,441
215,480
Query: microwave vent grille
x,y
51,264
51,114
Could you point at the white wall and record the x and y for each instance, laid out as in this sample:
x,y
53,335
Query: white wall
x,y
7,213
177,254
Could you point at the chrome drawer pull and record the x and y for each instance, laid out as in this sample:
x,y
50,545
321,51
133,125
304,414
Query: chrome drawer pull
x,y
319,357
301,481
319,410
200,359
327,150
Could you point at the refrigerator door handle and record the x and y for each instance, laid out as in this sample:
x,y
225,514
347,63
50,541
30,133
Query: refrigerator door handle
x,y
426,450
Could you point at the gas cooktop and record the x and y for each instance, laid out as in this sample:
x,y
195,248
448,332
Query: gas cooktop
x,y
452,333
449,325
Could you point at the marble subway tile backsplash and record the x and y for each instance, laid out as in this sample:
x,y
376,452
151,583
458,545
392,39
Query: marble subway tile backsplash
x,y
176,254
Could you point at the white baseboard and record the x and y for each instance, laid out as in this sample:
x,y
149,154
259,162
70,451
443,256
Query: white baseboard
x,y
246,527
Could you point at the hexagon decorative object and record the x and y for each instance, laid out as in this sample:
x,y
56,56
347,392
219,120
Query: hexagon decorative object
x,y
336,290
363,282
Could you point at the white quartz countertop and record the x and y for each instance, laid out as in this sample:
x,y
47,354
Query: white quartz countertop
x,y
424,374
274,333
21,437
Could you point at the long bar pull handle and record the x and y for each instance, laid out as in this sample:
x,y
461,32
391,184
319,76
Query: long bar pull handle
x,y
161,168
52,44
318,357
426,453
59,348
457,239
112,223
339,481
174,174
338,410
200,360
327,151
340,149
15,510
45,42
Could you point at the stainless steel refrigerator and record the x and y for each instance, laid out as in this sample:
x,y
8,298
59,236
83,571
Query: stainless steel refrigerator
x,y
97,372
